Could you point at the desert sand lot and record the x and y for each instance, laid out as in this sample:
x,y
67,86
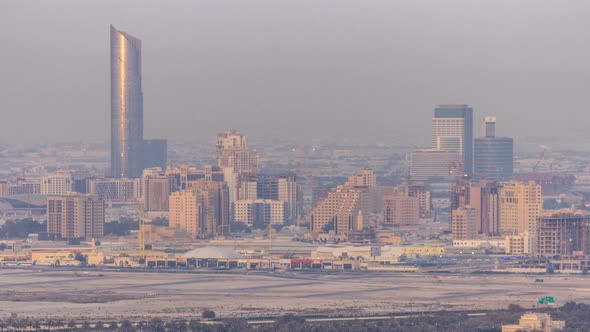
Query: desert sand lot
x,y
136,295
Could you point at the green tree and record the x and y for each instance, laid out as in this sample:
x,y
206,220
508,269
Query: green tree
x,y
83,259
21,228
208,314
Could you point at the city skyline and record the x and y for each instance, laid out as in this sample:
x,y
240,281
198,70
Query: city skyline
x,y
512,72
263,154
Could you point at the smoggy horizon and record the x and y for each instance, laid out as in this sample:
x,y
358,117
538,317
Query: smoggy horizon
x,y
338,70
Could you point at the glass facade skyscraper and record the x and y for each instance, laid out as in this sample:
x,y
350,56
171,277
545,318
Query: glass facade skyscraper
x,y
126,105
493,156
452,130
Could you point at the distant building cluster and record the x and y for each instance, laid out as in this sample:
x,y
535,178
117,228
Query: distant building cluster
x,y
455,151
463,179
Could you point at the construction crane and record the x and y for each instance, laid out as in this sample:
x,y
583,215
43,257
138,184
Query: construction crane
x,y
141,233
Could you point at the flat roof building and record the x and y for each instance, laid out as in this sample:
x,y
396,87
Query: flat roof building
x,y
75,216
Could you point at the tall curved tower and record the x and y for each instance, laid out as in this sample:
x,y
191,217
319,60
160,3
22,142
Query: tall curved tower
x,y
126,105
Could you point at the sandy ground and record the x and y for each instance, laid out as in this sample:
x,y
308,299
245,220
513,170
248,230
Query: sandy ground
x,y
128,295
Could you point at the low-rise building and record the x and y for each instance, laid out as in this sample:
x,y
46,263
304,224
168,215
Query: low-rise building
x,y
535,322
517,244
479,243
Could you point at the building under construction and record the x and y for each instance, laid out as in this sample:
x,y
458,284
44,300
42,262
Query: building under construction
x,y
563,233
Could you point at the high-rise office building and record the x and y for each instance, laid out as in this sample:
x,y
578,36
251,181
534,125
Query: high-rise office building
x,y
452,130
493,156
155,153
75,216
126,105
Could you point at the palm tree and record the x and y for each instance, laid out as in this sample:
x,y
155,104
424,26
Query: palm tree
x,y
72,324
194,325
126,326
36,325
58,323
181,325
140,326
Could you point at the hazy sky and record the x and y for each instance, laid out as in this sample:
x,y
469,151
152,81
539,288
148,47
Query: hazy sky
x,y
361,70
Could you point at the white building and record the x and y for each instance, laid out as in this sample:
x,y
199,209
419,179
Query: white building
x,y
58,183
259,212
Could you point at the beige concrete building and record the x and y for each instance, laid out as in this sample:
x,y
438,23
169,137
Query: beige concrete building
x,y
422,192
156,188
484,197
340,210
517,244
3,188
184,176
464,223
531,321
75,216
520,207
58,183
401,210
364,178
202,211
232,151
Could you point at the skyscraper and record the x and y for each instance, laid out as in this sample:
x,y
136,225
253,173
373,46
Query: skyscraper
x,y
452,130
126,105
493,156
155,153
